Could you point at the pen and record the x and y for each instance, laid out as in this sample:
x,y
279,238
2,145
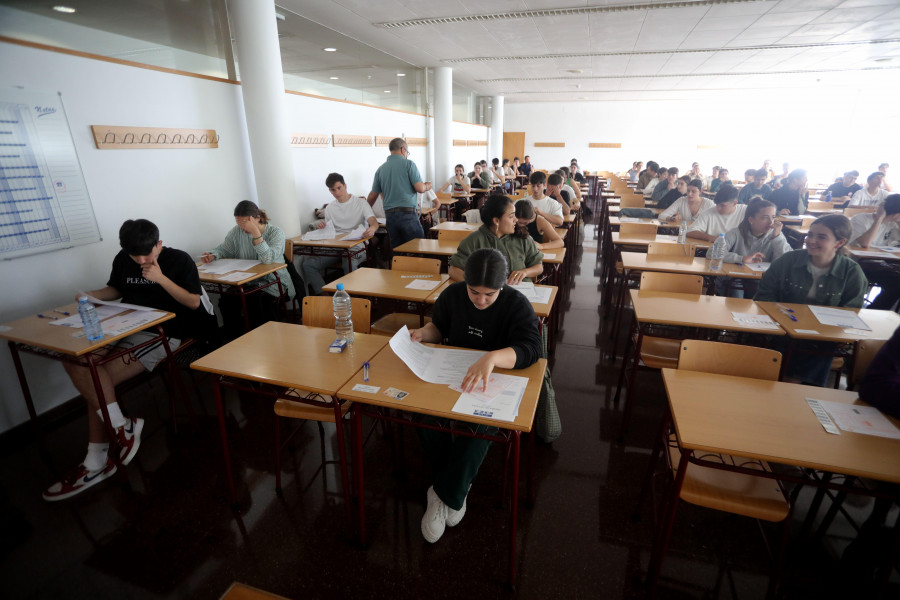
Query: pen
x,y
62,312
787,311
46,317
366,371
784,308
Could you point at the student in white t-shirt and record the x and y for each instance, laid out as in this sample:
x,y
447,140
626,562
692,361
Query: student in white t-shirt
x,y
544,206
459,183
346,214
872,194
725,215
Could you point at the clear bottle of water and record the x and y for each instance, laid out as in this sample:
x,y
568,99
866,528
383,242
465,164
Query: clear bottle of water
x,y
682,232
343,313
717,253
92,329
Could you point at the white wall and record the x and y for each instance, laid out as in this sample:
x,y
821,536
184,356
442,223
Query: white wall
x,y
465,155
177,189
825,133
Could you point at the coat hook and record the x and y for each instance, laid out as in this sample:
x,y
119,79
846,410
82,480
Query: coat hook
x,y
148,140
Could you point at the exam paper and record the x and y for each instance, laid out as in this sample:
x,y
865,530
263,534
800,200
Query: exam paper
x,y
434,365
423,284
888,248
356,234
760,266
326,233
502,406
752,320
549,255
235,276
227,265
868,253
838,317
104,311
860,419
536,295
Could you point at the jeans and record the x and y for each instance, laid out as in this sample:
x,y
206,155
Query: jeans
x,y
403,227
312,268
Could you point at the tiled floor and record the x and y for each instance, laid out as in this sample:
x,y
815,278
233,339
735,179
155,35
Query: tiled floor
x,y
172,535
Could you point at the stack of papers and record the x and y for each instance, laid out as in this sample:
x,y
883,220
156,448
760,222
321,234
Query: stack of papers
x,y
760,266
535,295
855,418
227,265
756,321
325,233
423,284
356,234
838,317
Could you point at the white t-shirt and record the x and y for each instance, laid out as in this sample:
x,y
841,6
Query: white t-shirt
x,y
455,185
346,216
681,207
547,205
864,198
711,222
648,191
887,235
572,195
426,199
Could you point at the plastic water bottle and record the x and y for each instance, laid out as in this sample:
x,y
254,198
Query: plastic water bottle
x,y
343,313
92,329
717,254
827,196
682,232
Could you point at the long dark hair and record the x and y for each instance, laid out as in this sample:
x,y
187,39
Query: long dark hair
x,y
524,210
486,267
245,208
756,205
493,208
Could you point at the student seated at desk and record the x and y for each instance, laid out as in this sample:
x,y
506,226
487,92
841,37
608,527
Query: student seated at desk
x,y
480,313
145,273
821,274
540,230
253,238
668,181
755,187
480,180
689,206
843,189
498,230
547,207
792,197
726,214
757,239
872,194
881,228
459,183
720,180
676,193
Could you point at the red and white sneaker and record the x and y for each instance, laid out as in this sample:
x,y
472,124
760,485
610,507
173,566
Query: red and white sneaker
x,y
78,480
128,438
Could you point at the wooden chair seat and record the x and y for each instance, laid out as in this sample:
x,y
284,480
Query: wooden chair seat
x,y
299,410
394,322
660,353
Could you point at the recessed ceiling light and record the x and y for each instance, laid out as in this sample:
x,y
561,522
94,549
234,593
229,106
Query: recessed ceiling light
x,y
401,74
64,9
334,78
330,49
884,59
387,91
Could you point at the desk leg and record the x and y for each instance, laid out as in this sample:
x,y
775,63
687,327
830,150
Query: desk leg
x,y
356,420
232,495
244,308
664,532
514,506
23,383
342,449
101,400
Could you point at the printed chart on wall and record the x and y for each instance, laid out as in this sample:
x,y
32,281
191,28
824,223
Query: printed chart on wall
x,y
44,202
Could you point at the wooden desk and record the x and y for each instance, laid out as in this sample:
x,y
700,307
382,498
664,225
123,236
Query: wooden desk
x,y
882,322
451,226
862,254
338,247
214,284
688,310
288,356
644,240
444,249
384,283
387,370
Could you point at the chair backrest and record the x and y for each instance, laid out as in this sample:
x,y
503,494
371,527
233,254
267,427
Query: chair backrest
x,y
416,264
851,211
667,249
444,196
473,216
818,205
632,201
680,283
453,234
637,229
318,312
729,359
865,352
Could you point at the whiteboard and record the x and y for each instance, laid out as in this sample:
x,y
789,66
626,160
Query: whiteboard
x,y
44,202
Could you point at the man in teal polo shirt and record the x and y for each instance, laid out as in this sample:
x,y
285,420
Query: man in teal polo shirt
x,y
398,180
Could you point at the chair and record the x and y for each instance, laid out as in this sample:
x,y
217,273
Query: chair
x,y
626,229
666,249
453,235
761,498
473,217
654,352
317,312
394,322
632,201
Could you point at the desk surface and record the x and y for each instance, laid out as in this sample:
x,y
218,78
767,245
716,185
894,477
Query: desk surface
x,y
455,226
771,420
644,239
882,322
688,310
383,283
448,248
291,355
256,272
35,331
872,253
333,243
387,370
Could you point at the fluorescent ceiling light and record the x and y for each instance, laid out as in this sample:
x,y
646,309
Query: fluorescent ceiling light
x,y
334,78
387,91
64,9
330,49
401,74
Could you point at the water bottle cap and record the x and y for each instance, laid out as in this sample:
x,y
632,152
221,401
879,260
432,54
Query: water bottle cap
x,y
340,287
83,298
721,235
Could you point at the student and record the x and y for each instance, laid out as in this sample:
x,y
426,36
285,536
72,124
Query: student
x,y
480,313
726,214
689,206
647,176
881,228
843,190
526,168
570,186
719,181
576,173
666,184
556,191
479,178
460,183
880,386
791,198
673,195
820,274
872,194
661,175
497,175
498,216
547,207
757,239
510,175
536,226
709,180
694,173
634,172
145,273
755,187
883,169
252,238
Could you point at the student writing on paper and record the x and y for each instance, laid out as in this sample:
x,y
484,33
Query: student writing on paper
x,y
146,273
821,274
252,238
757,239
538,228
881,228
481,313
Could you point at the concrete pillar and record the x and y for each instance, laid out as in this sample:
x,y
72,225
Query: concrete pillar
x,y
443,118
265,109
495,145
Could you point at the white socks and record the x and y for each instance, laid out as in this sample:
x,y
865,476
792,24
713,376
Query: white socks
x,y
116,418
96,456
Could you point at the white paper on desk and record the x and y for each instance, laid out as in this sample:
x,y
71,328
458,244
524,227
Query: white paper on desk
x,y
122,306
423,284
502,406
888,248
868,253
235,276
860,419
548,255
535,295
838,317
122,323
325,233
752,320
227,265
434,365
762,267
104,311
356,234
629,220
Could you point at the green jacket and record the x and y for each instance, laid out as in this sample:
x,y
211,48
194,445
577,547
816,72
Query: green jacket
x,y
789,279
520,253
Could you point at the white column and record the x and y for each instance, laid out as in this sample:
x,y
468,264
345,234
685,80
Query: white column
x,y
443,117
495,145
262,87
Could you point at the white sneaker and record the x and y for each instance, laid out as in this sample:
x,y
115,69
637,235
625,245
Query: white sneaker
x,y
435,519
455,516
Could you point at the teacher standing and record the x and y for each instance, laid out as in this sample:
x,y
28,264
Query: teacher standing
x,y
398,181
